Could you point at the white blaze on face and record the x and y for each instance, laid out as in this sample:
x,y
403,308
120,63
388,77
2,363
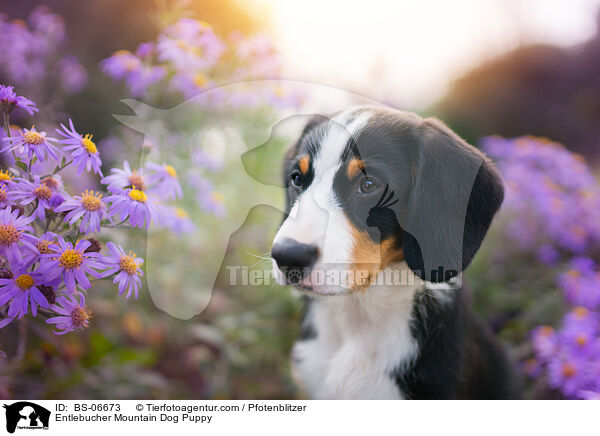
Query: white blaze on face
x,y
315,218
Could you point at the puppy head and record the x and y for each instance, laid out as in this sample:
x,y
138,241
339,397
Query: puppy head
x,y
370,187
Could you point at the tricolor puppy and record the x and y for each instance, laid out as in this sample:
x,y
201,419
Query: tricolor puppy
x,y
384,211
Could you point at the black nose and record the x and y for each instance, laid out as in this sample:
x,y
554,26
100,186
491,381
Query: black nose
x,y
292,255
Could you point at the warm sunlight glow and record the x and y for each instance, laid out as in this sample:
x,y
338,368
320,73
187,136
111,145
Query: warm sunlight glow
x,y
408,52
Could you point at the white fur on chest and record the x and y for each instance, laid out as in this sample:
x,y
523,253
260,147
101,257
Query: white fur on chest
x,y
361,339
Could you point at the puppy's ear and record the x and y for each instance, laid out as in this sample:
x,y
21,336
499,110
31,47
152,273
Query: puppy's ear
x,y
456,191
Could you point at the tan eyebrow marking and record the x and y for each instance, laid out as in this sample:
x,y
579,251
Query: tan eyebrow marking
x,y
354,166
303,164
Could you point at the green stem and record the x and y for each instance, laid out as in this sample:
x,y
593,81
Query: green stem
x,y
114,226
57,169
48,222
76,237
6,124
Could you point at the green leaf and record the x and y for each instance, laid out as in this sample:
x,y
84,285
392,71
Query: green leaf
x,y
22,165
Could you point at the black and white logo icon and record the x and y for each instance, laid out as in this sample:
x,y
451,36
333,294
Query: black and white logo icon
x,y
26,415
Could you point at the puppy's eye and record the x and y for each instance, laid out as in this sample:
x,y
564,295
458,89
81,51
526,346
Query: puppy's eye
x,y
296,179
368,186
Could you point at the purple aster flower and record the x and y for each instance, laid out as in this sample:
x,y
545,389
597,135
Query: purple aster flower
x,y
43,245
71,263
83,150
178,220
134,204
546,186
579,331
13,234
4,322
570,355
548,254
257,56
4,200
544,341
190,85
207,161
26,192
120,179
127,268
532,367
51,26
164,180
566,373
190,45
73,75
73,314
581,284
32,142
89,207
209,200
10,101
588,395
138,75
120,64
22,290
140,80
145,49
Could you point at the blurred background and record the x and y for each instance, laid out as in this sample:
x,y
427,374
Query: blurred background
x,y
521,79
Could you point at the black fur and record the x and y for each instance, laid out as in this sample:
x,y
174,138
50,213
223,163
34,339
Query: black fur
x,y
455,194
458,355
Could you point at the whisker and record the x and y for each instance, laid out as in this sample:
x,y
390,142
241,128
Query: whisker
x,y
260,262
266,256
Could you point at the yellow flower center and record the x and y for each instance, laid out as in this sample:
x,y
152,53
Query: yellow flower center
x,y
580,312
33,138
569,370
200,80
90,200
137,195
88,144
218,197
581,340
70,258
279,91
171,171
547,331
128,264
50,182
80,317
180,213
3,193
131,64
187,47
42,246
5,176
8,234
137,181
42,192
24,281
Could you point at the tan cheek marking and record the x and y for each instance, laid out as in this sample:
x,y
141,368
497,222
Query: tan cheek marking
x,y
303,164
368,258
354,166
